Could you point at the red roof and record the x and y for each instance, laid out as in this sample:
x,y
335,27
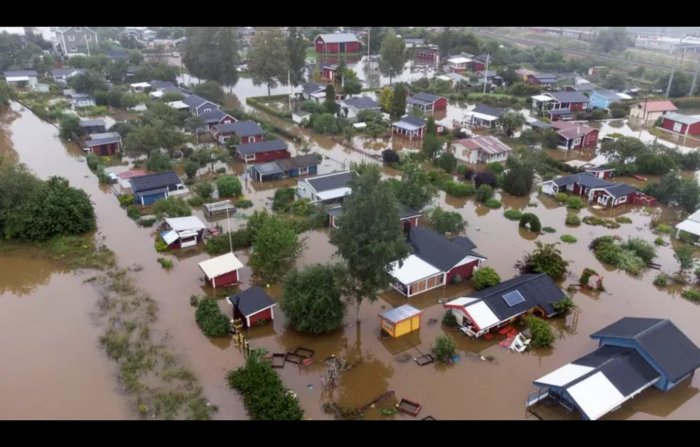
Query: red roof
x,y
658,106
133,173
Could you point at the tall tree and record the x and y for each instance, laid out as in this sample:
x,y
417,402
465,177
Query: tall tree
x,y
211,53
210,90
376,36
612,40
369,237
518,180
274,249
512,122
267,58
296,55
416,189
386,97
393,55
398,101
623,149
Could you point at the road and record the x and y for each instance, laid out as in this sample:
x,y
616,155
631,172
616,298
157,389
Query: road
x,y
531,42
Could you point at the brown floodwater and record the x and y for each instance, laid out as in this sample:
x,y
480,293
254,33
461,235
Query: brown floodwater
x,y
473,388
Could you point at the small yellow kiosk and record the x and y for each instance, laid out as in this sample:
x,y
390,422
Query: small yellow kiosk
x,y
401,320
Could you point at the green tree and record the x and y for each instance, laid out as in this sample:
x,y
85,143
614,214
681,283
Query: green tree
x,y
398,101
416,190
431,146
447,221
546,258
369,238
519,178
150,71
680,85
612,40
531,221
351,83
171,207
684,256
386,98
483,193
444,348
376,37
69,126
296,55
512,122
268,60
329,104
615,81
158,162
325,123
204,189
211,53
485,277
229,186
275,248
88,82
150,138
312,299
623,149
17,185
447,161
5,94
210,319
210,90
542,335
191,169
393,55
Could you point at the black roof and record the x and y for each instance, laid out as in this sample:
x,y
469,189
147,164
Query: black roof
x,y
241,128
154,181
251,301
313,88
331,181
620,189
416,121
437,250
586,179
674,353
488,110
567,97
195,101
302,161
537,289
213,116
158,85
261,146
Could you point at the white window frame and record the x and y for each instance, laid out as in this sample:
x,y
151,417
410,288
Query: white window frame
x,y
78,29
71,38
677,127
74,49
577,141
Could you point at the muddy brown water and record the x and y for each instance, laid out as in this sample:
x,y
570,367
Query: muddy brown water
x,y
473,388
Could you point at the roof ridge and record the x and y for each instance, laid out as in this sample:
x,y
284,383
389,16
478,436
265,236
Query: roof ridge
x,y
652,328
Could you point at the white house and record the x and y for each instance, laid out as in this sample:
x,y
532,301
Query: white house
x,y
22,79
485,149
327,188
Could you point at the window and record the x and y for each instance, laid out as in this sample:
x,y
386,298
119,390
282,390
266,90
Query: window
x,y
73,49
677,127
78,29
87,37
71,38
577,141
622,199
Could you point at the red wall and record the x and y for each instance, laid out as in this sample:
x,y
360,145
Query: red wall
x,y
440,104
577,106
591,139
668,125
694,129
253,139
350,47
478,66
271,156
465,271
264,315
226,279
105,149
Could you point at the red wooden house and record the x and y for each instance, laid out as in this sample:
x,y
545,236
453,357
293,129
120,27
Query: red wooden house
x,y
337,43
681,124
425,102
478,63
247,131
221,271
575,136
410,127
183,232
262,151
107,143
253,306
215,117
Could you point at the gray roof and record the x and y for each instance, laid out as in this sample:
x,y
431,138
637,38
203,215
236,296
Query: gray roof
x,y
362,103
313,88
548,77
98,139
401,313
661,340
560,112
482,58
488,110
422,98
437,250
251,301
240,128
63,72
158,85
537,289
331,181
302,161
404,213
195,101
213,116
620,189
680,118
610,95
11,74
154,181
261,146
539,124
269,168
338,37
568,97
584,179
92,123
412,120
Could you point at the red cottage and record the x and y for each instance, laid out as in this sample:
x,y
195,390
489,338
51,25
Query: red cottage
x,y
221,271
478,63
253,306
681,124
107,143
410,127
215,117
575,136
425,102
262,151
337,43
329,72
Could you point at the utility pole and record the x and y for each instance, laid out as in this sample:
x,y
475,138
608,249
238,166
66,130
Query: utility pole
x,y
228,220
289,82
695,77
486,72
670,78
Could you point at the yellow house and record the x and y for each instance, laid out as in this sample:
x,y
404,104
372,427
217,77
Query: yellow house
x,y
401,320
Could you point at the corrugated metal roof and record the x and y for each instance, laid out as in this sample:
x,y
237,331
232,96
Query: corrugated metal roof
x,y
338,37
220,265
401,313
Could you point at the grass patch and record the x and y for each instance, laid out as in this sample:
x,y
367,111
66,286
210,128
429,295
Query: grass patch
x,y
165,263
663,229
572,220
70,252
607,223
493,203
691,294
513,214
568,238
623,220
549,230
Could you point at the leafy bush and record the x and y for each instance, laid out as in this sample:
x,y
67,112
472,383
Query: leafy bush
x,y
493,203
171,207
449,319
663,229
564,306
546,258
562,197
575,203
568,238
211,320
659,241
283,199
607,223
641,248
661,280
147,222
219,245
160,244
496,168
229,186
572,220
264,395
133,211
623,220
684,256
542,336
204,189
485,277
484,193
513,214
459,189
444,348
549,230
195,201
691,294
606,250
447,162
165,263
446,221
530,221
243,203
125,200
92,161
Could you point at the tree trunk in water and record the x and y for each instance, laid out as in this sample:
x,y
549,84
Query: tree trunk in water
x,y
268,89
357,309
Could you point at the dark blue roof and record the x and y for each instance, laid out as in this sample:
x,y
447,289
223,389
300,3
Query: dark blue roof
x,y
537,289
10,74
92,123
301,161
437,250
241,128
586,179
362,102
313,88
620,189
157,85
195,101
425,97
251,301
261,146
154,181
674,353
560,112
416,121
488,110
213,116
331,181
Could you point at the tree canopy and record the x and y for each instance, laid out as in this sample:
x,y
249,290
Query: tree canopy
x,y
393,55
296,54
612,40
268,59
416,190
275,248
211,53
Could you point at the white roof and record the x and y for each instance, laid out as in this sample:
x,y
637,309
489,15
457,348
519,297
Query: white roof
x,y
565,374
334,193
220,265
359,125
185,223
459,60
178,105
690,226
463,301
481,116
17,78
338,37
412,270
695,217
596,395
443,78
624,96
141,85
542,98
170,237
156,94
482,315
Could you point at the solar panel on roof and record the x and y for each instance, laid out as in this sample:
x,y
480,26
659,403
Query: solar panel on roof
x,y
513,298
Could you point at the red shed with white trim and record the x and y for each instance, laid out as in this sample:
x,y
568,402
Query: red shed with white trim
x,y
253,306
222,270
